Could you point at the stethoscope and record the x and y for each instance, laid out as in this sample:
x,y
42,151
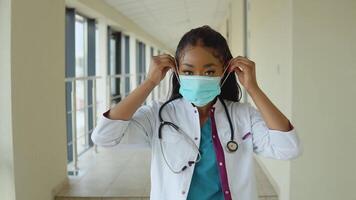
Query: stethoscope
x,y
231,145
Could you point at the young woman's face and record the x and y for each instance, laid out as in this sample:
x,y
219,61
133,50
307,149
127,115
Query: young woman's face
x,y
200,61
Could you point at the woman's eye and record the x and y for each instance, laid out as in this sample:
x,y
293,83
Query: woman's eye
x,y
209,73
187,72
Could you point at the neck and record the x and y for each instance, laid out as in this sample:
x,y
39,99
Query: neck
x,y
204,110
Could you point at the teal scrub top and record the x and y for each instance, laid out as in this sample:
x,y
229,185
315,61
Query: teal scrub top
x,y
205,184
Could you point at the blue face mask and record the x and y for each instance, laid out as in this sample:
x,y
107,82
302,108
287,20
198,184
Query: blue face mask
x,y
199,90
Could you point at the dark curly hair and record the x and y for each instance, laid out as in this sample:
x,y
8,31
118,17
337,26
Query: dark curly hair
x,y
207,37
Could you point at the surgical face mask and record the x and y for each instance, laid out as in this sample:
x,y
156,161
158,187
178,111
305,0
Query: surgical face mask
x,y
200,90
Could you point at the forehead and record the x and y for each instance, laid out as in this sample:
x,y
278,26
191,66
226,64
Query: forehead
x,y
198,55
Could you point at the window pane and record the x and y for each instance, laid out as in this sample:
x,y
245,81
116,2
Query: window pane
x,y
80,130
81,115
81,98
112,64
127,85
140,59
127,54
79,46
126,57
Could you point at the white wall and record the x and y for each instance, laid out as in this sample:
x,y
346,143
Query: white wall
x,y
236,28
270,46
324,96
7,176
32,78
305,61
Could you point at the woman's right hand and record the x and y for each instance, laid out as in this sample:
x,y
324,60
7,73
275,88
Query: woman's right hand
x,y
159,67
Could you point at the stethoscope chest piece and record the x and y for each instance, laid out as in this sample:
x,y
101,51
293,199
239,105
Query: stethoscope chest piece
x,y
232,146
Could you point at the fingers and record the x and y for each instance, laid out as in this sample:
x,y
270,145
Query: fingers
x,y
163,63
245,59
242,60
237,67
166,60
240,64
167,65
167,56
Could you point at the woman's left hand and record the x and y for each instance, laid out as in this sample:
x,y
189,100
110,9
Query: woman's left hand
x,y
246,72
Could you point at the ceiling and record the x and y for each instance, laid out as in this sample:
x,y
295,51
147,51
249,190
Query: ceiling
x,y
168,20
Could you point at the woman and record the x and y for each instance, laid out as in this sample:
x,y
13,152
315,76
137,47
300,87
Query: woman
x,y
202,139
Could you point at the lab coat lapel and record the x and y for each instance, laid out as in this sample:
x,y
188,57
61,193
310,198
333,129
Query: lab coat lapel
x,y
222,122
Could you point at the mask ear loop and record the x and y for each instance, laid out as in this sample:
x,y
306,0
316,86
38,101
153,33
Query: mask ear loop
x,y
227,76
176,71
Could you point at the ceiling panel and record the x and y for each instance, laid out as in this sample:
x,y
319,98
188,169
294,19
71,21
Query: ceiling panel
x,y
168,20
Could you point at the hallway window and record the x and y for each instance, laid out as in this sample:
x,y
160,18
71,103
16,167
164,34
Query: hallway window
x,y
158,96
114,66
126,62
153,91
80,85
140,61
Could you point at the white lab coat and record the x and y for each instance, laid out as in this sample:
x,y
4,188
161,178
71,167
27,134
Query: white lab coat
x,y
165,185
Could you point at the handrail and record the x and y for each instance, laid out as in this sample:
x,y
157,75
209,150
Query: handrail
x,y
108,78
73,81
82,78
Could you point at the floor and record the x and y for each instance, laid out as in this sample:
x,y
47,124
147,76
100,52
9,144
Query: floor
x,y
122,173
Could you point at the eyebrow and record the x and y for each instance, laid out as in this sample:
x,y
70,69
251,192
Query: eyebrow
x,y
205,66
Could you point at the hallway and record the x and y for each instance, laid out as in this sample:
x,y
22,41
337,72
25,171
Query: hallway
x,y
64,63
122,173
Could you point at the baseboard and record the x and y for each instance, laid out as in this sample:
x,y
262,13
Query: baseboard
x,y
64,183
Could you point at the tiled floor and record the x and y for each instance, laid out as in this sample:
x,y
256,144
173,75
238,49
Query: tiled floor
x,y
122,173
